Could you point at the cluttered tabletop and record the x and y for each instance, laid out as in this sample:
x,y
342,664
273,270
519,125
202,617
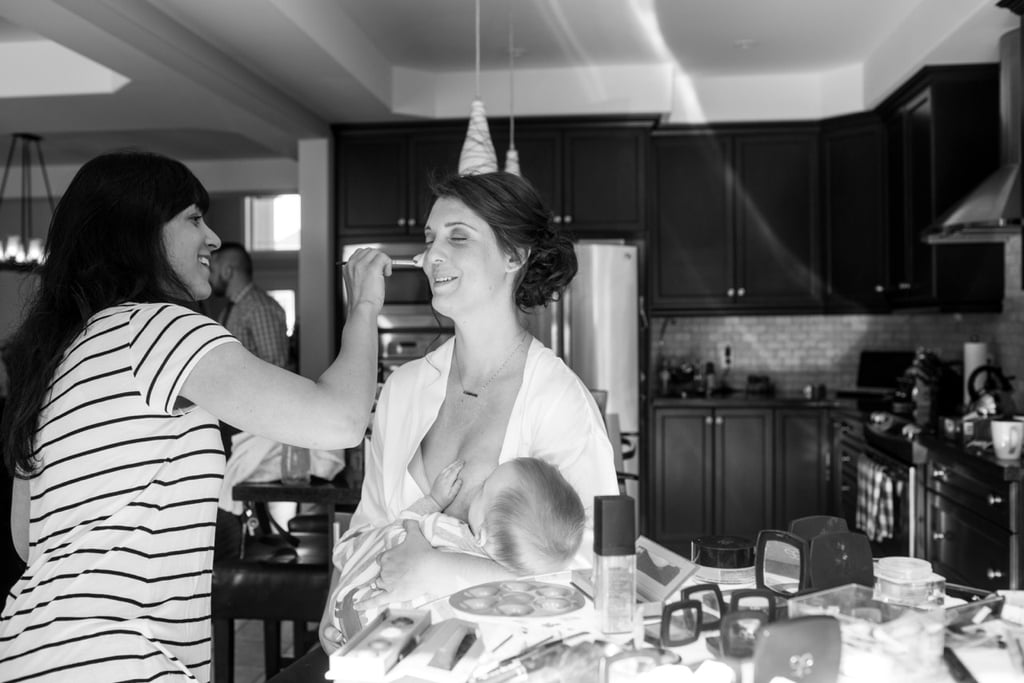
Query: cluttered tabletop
x,y
812,606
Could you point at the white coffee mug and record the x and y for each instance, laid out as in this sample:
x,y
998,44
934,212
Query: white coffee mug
x,y
1006,438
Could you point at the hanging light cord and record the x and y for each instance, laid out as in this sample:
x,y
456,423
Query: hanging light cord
x,y
478,49
511,85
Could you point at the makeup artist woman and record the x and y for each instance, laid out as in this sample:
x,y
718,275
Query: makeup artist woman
x,y
490,394
111,427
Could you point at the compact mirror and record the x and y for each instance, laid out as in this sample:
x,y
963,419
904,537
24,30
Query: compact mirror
x,y
781,562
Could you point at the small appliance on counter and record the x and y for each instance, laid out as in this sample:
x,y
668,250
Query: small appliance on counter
x,y
880,384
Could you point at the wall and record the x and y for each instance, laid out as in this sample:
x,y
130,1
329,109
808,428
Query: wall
x,y
799,350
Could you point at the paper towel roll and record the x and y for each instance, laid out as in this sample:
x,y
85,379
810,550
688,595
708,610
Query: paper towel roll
x,y
975,355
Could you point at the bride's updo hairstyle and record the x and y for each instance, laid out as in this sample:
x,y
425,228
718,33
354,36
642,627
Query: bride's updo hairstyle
x,y
521,224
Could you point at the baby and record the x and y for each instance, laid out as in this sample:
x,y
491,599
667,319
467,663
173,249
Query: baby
x,y
525,516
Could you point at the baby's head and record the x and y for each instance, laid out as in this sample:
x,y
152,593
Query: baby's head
x,y
530,518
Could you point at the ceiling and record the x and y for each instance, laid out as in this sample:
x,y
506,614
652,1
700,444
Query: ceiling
x,y
241,79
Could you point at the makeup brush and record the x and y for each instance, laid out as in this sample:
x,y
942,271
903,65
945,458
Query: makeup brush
x,y
414,262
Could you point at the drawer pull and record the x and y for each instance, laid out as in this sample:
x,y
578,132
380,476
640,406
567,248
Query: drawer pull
x,y
939,473
993,499
993,574
708,420
938,535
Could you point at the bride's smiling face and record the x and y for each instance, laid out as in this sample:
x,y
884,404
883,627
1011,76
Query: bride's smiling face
x,y
463,262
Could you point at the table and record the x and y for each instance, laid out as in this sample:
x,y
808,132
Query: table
x,y
319,491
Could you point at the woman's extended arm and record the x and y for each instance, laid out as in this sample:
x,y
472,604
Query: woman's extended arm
x,y
413,569
331,412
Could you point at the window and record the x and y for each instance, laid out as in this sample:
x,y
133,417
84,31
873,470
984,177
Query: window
x,y
273,223
286,297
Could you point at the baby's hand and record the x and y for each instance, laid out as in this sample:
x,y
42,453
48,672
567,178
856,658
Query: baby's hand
x,y
447,484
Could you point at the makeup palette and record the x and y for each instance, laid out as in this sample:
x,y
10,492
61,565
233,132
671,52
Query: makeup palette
x,y
517,599
379,645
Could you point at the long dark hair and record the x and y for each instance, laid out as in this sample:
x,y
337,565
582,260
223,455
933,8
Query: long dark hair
x,y
520,221
104,247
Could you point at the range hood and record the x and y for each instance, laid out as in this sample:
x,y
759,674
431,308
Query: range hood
x,y
992,211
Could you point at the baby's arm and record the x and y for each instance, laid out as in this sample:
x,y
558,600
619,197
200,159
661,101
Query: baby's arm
x,y
447,484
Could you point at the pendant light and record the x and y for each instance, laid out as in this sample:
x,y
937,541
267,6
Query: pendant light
x,y
22,251
478,154
512,156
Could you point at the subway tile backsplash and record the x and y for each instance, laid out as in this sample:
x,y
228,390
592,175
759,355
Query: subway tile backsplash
x,y
798,350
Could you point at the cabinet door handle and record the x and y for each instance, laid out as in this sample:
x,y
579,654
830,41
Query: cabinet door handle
x,y
938,535
879,289
708,420
939,473
411,222
845,488
730,292
903,286
557,219
568,218
401,222
993,499
993,574
741,291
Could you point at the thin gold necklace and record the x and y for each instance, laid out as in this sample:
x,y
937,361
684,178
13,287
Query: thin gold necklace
x,y
476,394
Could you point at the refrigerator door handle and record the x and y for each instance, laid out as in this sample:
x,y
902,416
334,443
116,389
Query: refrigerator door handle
x,y
566,328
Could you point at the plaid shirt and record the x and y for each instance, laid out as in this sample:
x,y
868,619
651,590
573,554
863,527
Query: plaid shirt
x,y
258,321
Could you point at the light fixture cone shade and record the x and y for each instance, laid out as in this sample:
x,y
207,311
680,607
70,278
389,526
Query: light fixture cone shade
x,y
512,161
478,155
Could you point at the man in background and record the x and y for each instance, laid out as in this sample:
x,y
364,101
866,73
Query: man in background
x,y
252,315
258,321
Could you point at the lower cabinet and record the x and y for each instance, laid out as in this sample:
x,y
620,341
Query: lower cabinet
x,y
802,464
734,471
972,521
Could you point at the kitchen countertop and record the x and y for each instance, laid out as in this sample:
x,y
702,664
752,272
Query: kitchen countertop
x,y
742,400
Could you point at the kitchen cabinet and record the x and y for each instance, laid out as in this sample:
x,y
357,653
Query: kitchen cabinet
x,y
382,179
854,214
713,473
802,459
591,174
943,128
736,220
973,518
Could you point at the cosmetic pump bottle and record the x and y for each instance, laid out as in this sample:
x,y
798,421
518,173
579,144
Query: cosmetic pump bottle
x,y
615,563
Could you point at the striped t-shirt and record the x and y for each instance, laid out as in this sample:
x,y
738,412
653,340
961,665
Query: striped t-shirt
x,y
123,508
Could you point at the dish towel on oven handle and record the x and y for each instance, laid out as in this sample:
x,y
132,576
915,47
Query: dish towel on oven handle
x,y
876,500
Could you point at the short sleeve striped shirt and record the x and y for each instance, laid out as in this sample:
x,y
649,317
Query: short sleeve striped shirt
x,y
123,508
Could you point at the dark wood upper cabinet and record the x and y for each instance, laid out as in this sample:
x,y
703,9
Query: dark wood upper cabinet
x,y
854,215
736,225
382,183
692,252
943,130
591,175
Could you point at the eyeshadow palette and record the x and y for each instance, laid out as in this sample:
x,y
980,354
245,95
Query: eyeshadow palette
x,y
379,645
517,599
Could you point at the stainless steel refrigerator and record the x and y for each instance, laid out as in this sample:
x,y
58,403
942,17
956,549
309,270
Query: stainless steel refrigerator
x,y
595,329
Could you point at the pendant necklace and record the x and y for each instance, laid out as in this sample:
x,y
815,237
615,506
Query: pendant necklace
x,y
476,394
